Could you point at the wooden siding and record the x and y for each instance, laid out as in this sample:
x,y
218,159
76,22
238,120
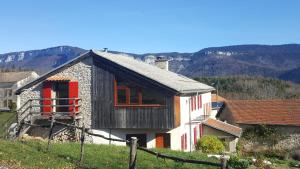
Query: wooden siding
x,y
177,110
106,115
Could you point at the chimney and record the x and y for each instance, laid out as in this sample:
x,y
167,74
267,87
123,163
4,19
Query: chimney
x,y
162,63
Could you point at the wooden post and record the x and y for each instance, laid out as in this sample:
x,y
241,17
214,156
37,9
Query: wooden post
x,y
133,151
223,162
82,143
50,132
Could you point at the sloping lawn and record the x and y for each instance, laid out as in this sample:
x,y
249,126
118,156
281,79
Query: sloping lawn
x,y
33,154
5,117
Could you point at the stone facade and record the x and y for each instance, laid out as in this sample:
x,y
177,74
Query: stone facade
x,y
81,72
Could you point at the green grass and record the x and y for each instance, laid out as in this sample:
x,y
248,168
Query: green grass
x,y
6,118
33,154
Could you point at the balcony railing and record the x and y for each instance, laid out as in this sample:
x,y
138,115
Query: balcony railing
x,y
48,107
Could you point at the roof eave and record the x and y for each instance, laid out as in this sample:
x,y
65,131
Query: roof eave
x,y
50,73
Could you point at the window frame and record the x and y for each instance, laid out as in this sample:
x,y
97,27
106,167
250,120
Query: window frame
x,y
128,93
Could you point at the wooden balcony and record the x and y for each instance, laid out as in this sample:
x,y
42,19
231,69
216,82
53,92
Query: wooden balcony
x,y
45,108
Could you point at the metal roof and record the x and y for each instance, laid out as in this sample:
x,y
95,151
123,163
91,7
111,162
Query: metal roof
x,y
177,82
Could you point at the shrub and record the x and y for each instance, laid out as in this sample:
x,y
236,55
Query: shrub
x,y
236,163
210,144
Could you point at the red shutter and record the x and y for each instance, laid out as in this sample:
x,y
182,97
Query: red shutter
x,y
182,142
47,109
200,130
73,93
195,106
195,135
185,141
192,104
200,101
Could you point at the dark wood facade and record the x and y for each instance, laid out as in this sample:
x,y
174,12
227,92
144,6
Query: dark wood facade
x,y
106,115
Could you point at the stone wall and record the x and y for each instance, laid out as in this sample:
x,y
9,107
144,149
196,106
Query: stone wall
x,y
81,72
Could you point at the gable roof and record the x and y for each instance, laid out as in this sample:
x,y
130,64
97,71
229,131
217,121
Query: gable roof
x,y
8,77
269,112
179,83
222,126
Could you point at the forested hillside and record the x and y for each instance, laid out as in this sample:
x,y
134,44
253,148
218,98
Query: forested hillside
x,y
244,87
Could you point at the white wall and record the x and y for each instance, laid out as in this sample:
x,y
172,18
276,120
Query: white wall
x,y
175,133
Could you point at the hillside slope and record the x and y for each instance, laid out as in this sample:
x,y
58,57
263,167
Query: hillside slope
x,y
250,60
291,75
33,154
253,87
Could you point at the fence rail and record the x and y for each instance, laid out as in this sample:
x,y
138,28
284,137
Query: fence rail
x,y
132,142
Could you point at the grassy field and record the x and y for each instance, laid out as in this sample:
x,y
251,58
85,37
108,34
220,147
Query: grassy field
x,y
33,154
5,117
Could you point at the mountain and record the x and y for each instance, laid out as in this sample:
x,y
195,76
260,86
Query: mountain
x,y
291,75
39,60
253,60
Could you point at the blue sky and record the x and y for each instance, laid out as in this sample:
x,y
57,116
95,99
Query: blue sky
x,y
142,26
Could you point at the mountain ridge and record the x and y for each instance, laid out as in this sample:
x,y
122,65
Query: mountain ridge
x,y
252,60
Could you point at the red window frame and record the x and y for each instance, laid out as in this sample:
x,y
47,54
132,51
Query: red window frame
x,y
128,104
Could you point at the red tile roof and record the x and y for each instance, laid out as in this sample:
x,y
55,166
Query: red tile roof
x,y
225,127
271,112
58,78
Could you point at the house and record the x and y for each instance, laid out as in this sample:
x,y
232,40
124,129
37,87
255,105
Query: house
x,y
120,97
281,114
9,82
216,103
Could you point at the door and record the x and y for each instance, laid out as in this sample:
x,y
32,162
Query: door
x,y
61,90
163,140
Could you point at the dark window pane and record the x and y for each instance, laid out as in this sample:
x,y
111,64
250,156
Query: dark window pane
x,y
152,97
134,96
121,96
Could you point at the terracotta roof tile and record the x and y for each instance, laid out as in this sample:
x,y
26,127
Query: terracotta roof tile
x,y
225,127
59,78
271,112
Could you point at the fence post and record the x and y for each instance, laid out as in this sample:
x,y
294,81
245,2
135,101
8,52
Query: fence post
x,y
50,132
133,151
82,143
223,162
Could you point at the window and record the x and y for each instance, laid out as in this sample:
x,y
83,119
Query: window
x,y
130,94
122,95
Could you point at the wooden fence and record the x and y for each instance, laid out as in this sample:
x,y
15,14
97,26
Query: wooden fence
x,y
132,142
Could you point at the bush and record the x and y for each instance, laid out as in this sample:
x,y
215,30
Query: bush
x,y
236,163
210,144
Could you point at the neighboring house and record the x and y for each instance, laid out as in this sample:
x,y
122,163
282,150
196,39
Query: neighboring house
x,y
121,97
9,82
216,103
244,113
281,114
225,132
